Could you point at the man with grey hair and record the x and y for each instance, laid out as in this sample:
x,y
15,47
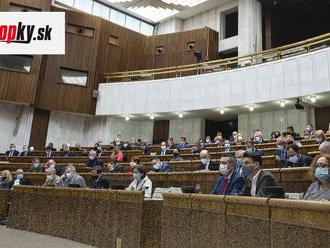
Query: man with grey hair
x,y
206,163
325,147
58,168
52,179
71,179
20,179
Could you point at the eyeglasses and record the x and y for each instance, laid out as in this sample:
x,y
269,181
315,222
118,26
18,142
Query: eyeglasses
x,y
322,165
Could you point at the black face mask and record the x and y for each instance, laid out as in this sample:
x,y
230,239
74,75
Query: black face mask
x,y
176,154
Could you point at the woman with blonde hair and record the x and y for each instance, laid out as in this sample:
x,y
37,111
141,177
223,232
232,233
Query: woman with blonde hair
x,y
320,171
6,180
319,137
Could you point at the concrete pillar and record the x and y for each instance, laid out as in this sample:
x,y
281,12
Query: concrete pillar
x,y
249,27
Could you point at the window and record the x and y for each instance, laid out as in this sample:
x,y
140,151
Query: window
x,y
80,30
84,5
231,25
146,28
101,10
74,77
132,23
117,17
16,63
66,2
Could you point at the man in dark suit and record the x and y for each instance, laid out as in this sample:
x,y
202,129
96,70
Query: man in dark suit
x,y
295,158
20,179
12,152
93,160
49,152
230,182
25,152
159,166
206,163
99,181
170,143
257,180
164,150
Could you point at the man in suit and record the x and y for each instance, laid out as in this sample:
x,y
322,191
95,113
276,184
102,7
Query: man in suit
x,y
12,152
170,143
230,182
256,179
295,158
25,152
182,144
250,147
66,151
164,150
93,160
58,168
20,179
206,163
49,152
99,181
159,166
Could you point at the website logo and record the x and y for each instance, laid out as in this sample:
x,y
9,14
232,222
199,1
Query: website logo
x,y
32,33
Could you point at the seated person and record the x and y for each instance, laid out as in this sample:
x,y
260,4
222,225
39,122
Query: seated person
x,y
230,182
239,140
170,144
295,158
176,156
117,154
208,140
52,180
308,134
227,145
275,135
290,140
99,181
182,144
319,137
114,167
36,166
66,151
325,147
20,179
256,178
280,153
71,178
258,138
12,152
93,160
141,181
49,152
198,147
145,148
25,152
58,168
134,161
51,146
6,180
164,149
290,131
206,163
320,188
126,146
239,161
250,147
159,166
233,137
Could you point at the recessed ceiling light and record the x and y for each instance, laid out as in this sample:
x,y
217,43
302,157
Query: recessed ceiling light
x,y
180,115
127,117
251,108
152,116
222,111
313,99
282,103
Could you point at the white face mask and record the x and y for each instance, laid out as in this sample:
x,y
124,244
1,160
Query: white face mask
x,y
68,175
132,164
163,147
223,169
156,166
91,157
50,177
204,161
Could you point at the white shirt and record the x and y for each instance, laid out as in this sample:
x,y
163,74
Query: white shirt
x,y
16,182
254,183
144,185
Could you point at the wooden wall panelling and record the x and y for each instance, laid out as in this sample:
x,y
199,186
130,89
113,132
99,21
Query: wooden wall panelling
x,y
43,5
39,129
81,54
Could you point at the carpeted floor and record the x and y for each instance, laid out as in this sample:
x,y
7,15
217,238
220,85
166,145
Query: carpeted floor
x,y
11,238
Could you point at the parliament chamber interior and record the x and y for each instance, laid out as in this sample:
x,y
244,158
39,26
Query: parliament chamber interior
x,y
169,124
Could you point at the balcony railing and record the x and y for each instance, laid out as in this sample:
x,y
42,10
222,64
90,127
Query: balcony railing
x,y
278,53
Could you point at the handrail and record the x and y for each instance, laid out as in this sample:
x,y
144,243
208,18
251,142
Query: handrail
x,y
223,64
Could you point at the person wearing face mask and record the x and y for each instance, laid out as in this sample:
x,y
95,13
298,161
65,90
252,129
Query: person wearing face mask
x,y
20,179
12,152
99,181
290,140
176,156
307,134
71,179
295,158
319,137
36,166
239,161
6,180
117,154
239,140
66,151
126,146
280,153
230,182
233,137
258,138
250,147
93,160
290,131
319,190
256,179
208,140
58,168
141,182
52,180
182,144
145,148
206,163
134,161
25,151
114,167
159,166
227,146
170,143
164,149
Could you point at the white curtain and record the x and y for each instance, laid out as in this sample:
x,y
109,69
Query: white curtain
x,y
9,121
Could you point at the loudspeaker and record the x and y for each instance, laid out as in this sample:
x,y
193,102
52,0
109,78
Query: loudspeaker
x,y
95,94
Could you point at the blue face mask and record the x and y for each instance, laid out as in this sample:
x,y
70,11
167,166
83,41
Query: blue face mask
x,y
35,165
293,159
249,149
322,174
136,176
318,140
